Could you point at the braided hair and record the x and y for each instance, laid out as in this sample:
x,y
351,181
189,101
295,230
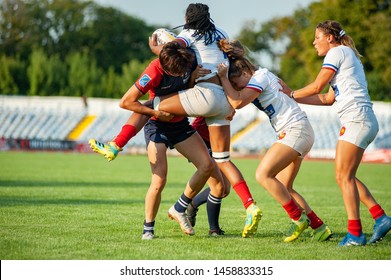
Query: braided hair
x,y
198,18
330,27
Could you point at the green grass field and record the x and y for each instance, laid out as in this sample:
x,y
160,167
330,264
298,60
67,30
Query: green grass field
x,y
71,206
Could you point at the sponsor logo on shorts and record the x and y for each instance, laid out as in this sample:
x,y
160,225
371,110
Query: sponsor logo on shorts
x,y
144,80
281,136
342,131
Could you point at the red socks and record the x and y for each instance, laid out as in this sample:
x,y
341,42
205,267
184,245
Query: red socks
x,y
376,211
315,220
127,132
354,227
293,210
243,192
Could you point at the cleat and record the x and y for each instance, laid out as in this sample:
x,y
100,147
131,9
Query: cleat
x,y
191,213
352,240
109,150
297,228
381,228
182,219
254,215
148,236
322,233
216,233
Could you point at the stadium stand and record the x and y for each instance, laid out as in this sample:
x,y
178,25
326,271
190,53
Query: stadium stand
x,y
69,122
326,125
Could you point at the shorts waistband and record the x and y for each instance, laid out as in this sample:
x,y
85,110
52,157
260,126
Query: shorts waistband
x,y
208,85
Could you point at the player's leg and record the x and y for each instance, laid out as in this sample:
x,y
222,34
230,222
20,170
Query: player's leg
x,y
202,198
195,151
347,159
169,103
277,158
111,149
204,99
321,231
158,162
220,143
382,221
199,124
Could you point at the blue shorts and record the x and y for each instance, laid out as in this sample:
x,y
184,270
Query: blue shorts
x,y
168,133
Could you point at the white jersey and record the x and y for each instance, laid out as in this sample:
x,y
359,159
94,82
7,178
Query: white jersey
x,y
349,82
209,56
280,109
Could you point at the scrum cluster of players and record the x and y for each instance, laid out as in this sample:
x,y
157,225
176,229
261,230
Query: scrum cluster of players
x,y
203,74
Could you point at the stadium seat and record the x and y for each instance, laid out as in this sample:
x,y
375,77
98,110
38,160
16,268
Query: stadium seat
x,y
54,119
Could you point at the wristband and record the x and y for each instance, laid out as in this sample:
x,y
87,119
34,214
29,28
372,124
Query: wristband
x,y
293,94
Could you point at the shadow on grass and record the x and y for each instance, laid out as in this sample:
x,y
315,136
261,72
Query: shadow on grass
x,y
10,201
24,201
20,183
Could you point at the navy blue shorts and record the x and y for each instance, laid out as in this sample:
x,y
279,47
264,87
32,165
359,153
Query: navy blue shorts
x,y
168,133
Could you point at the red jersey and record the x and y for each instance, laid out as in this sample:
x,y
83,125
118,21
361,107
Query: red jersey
x,y
158,83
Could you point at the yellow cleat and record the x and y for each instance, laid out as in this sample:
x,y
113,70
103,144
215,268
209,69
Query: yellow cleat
x,y
254,215
297,228
322,233
109,150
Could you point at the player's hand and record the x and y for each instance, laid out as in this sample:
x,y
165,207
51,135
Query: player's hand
x,y
164,116
284,88
200,72
222,70
153,44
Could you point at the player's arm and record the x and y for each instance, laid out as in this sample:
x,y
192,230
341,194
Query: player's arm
x,y
325,99
311,94
237,99
130,101
316,87
156,49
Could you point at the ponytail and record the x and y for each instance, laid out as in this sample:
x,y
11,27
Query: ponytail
x,y
238,63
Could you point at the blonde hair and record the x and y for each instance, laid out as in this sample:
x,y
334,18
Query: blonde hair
x,y
334,28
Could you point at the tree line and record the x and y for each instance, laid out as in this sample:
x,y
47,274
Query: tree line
x,y
79,48
70,48
288,40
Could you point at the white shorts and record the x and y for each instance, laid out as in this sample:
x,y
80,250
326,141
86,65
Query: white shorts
x,y
207,100
298,135
360,133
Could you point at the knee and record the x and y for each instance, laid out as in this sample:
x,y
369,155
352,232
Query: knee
x,y
207,167
260,178
290,190
343,178
261,175
157,185
217,190
340,178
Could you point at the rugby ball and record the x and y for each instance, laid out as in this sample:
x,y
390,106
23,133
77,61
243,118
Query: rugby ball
x,y
163,36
